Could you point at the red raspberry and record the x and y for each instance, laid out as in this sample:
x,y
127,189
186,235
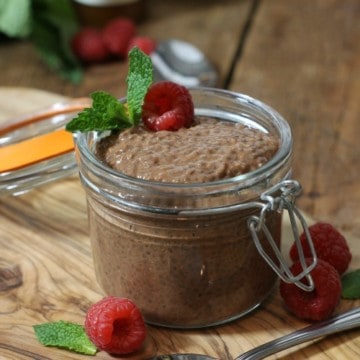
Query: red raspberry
x,y
88,46
329,245
144,43
115,325
167,106
318,304
117,35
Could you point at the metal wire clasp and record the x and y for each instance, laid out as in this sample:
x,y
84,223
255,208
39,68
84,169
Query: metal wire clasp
x,y
281,197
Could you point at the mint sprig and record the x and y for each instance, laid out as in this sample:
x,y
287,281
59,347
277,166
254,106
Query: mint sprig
x,y
65,335
107,112
139,78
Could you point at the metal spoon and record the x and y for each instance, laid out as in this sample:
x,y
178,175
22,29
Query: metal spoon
x,y
183,63
345,321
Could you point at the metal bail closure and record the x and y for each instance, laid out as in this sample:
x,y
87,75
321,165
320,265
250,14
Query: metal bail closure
x,y
281,197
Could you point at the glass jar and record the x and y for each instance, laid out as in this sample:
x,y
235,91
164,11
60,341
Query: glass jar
x,y
190,255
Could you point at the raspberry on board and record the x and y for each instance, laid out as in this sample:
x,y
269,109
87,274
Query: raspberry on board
x,y
318,304
167,106
88,46
115,325
117,34
329,245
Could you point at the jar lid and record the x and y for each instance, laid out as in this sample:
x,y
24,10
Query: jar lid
x,y
36,149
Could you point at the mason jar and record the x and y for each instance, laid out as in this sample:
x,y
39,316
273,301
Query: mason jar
x,y
191,255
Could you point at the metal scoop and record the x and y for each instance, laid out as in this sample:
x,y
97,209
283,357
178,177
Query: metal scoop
x,y
183,63
345,321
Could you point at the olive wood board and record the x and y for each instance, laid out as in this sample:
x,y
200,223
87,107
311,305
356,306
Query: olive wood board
x,y
46,274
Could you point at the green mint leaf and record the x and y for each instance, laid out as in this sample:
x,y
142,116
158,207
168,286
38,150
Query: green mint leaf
x,y
15,18
139,78
106,113
66,335
351,285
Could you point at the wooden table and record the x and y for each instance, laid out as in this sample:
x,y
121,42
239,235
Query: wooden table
x,y
302,57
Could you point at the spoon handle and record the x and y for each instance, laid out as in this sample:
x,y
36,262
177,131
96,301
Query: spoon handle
x,y
345,321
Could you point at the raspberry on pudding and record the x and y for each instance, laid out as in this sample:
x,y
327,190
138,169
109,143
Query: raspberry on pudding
x,y
167,106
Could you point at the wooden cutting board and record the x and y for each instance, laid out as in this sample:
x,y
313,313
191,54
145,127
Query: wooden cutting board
x,y
44,245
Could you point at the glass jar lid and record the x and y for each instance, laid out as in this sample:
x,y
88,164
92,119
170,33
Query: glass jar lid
x,y
35,149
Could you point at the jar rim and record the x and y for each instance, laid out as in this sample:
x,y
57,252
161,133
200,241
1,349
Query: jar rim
x,y
284,148
88,161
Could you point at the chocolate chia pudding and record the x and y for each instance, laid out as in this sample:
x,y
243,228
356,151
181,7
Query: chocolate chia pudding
x,y
172,233
210,150
201,272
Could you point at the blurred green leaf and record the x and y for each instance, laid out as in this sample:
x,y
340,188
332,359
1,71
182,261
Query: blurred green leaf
x,y
15,18
50,25
53,25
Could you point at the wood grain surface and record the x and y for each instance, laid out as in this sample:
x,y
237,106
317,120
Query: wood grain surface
x,y
302,57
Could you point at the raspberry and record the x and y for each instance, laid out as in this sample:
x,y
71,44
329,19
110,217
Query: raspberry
x,y
329,245
318,304
115,325
167,106
144,43
87,45
117,34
